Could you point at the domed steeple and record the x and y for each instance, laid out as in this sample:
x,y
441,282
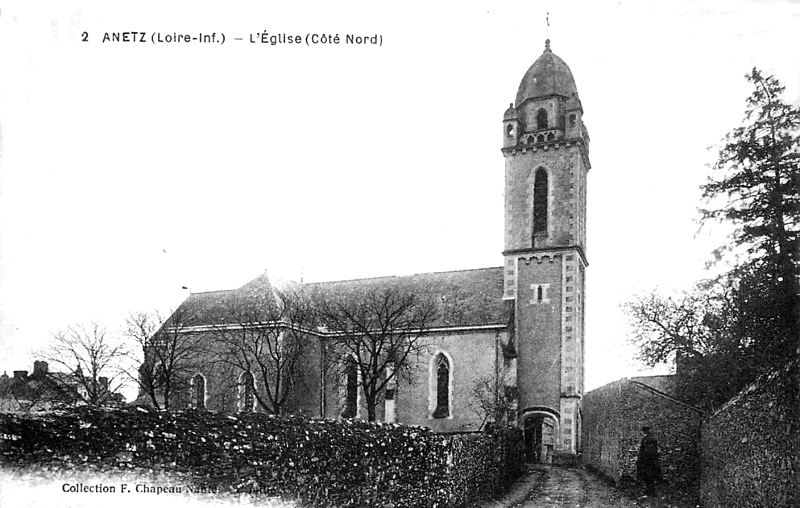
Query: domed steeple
x,y
546,151
549,75
547,109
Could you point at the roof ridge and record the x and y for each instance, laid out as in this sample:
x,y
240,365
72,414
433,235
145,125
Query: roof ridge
x,y
352,280
408,275
212,291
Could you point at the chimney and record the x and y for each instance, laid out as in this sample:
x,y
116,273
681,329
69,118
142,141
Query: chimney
x,y
39,368
21,375
104,383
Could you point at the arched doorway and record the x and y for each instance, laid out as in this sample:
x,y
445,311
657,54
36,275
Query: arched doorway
x,y
540,431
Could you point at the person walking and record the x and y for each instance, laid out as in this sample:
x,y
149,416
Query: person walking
x,y
648,468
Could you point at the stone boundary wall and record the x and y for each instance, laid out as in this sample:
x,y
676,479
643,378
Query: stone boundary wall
x,y
751,446
613,416
319,462
483,465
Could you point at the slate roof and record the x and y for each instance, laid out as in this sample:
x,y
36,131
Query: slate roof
x,y
45,388
464,297
549,75
208,308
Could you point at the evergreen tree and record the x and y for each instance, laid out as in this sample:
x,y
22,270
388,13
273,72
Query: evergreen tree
x,y
756,186
727,330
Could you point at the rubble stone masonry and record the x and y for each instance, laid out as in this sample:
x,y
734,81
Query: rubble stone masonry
x,y
751,446
613,416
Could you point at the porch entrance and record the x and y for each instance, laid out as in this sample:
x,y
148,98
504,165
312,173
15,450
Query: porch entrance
x,y
540,429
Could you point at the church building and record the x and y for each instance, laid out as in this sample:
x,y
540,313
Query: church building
x,y
519,325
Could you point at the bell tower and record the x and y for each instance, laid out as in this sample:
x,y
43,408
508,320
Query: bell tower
x,y
546,150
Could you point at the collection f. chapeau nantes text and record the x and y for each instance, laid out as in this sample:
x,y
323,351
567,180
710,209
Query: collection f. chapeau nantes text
x,y
135,488
263,38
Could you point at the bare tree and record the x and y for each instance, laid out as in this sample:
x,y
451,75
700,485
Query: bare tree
x,y
167,353
377,330
264,337
495,400
8,400
710,334
726,331
665,327
90,361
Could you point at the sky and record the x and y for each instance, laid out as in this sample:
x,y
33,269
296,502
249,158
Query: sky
x,y
129,171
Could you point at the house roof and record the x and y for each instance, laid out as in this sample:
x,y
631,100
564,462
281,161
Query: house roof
x,y
40,387
464,298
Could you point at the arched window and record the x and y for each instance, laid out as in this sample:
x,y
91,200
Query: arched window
x,y
199,391
540,202
442,365
247,395
350,389
541,120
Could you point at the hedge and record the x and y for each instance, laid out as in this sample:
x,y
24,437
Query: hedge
x,y
318,462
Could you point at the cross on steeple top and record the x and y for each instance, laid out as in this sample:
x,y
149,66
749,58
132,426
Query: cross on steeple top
x,y
547,41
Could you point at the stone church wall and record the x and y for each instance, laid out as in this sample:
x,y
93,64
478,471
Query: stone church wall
x,y
613,416
473,356
222,390
751,446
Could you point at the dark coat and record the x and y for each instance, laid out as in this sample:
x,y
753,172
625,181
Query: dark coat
x,y
648,468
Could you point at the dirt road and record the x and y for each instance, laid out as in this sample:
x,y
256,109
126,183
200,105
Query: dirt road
x,y
555,487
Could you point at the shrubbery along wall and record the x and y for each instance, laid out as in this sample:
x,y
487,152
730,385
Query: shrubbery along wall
x,y
319,462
